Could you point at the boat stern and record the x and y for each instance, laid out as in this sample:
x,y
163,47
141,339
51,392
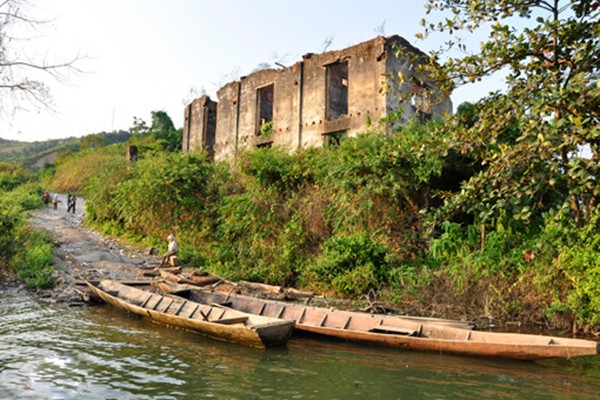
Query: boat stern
x,y
275,334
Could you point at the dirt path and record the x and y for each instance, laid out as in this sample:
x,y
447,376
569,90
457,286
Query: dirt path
x,y
81,253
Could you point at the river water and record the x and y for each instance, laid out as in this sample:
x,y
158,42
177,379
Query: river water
x,y
57,352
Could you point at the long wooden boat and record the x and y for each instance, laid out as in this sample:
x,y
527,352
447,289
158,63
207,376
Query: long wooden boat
x,y
211,320
412,334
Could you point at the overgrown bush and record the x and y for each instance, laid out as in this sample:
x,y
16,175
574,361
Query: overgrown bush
x,y
101,188
11,217
349,219
574,271
278,168
383,184
162,193
351,265
265,227
473,252
75,170
17,193
22,249
12,176
27,196
33,261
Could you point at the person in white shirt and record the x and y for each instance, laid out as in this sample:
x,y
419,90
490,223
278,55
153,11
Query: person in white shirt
x,y
171,251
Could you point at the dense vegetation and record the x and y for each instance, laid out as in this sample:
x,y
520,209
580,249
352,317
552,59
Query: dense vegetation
x,y
492,213
24,251
364,216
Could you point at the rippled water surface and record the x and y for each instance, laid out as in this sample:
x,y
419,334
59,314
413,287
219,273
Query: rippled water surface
x,y
55,352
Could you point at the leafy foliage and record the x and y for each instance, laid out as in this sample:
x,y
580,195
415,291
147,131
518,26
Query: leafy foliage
x,y
576,266
551,106
160,194
352,264
275,167
75,170
101,188
23,249
161,131
12,175
34,260
266,129
536,188
11,217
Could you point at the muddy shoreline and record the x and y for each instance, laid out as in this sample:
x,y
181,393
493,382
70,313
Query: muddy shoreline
x,y
83,254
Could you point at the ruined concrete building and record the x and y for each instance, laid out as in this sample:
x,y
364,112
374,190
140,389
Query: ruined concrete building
x,y
315,101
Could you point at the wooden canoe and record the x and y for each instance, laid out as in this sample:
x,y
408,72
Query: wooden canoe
x,y
211,320
402,332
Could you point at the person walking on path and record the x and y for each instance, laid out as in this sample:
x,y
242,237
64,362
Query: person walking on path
x,y
72,202
46,198
55,201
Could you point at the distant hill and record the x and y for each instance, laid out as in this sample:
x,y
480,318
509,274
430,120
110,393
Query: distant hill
x,y
36,154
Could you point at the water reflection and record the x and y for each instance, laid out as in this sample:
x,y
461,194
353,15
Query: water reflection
x,y
101,353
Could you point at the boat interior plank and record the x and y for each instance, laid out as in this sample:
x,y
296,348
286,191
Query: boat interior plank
x,y
194,311
146,301
158,302
233,320
183,303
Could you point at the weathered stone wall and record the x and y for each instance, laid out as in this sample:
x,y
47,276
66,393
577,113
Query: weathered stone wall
x,y
286,107
365,78
352,83
403,77
227,120
199,125
248,117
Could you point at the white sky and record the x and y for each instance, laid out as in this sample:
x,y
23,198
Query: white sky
x,y
146,55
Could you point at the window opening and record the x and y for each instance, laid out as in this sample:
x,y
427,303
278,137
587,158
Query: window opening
x,y
264,124
420,97
337,90
334,139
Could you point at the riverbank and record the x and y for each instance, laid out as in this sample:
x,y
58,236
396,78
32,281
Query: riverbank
x,y
81,253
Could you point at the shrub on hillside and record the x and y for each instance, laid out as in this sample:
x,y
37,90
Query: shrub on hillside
x,y
33,260
12,175
351,265
26,251
169,193
575,269
75,170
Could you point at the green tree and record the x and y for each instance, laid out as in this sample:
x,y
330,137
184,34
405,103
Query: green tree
x,y
539,141
92,141
139,127
161,129
161,122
